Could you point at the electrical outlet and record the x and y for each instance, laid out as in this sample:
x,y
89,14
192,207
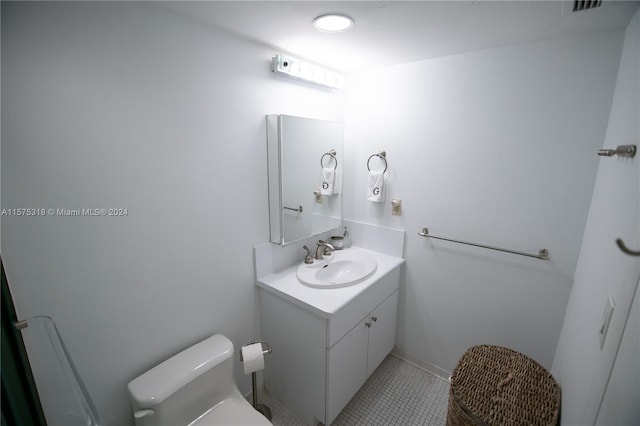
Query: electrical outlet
x,y
607,313
396,207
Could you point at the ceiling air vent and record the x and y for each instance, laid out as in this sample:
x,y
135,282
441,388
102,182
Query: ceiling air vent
x,y
586,4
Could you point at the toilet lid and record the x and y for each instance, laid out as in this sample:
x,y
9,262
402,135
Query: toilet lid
x,y
232,412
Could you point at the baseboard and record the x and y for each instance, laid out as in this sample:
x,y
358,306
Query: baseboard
x,y
432,369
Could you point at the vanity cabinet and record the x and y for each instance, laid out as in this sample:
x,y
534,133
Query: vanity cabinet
x,y
321,359
370,340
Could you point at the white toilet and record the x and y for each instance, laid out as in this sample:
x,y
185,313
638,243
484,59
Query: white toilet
x,y
194,387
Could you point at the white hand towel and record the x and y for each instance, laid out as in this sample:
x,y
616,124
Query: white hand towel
x,y
375,188
328,180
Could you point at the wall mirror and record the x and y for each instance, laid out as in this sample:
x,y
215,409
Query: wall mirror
x,y
305,159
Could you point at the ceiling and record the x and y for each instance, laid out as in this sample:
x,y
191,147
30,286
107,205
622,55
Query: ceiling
x,y
393,32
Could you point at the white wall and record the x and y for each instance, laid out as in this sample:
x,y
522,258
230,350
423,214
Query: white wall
x,y
132,106
620,401
581,367
0,132
129,105
497,147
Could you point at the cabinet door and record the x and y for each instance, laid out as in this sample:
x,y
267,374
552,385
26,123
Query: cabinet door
x,y
347,367
382,333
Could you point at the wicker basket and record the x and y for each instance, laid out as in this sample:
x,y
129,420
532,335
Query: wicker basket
x,y
492,385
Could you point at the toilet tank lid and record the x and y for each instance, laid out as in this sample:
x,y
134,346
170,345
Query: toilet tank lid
x,y
154,386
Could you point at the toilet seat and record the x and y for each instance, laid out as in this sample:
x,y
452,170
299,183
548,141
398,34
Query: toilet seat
x,y
232,412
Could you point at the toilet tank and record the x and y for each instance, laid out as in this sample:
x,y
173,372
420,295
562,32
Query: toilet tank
x,y
185,386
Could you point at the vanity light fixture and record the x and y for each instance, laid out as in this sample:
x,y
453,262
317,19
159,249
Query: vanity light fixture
x,y
333,23
303,70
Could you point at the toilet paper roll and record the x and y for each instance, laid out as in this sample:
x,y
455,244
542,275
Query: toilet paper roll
x,y
252,358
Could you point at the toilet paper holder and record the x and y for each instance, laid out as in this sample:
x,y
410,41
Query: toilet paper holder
x,y
261,408
266,349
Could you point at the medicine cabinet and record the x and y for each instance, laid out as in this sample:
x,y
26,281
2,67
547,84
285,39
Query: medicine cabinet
x,y
298,149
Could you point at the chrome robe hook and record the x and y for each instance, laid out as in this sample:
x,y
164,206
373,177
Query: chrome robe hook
x,y
621,151
626,249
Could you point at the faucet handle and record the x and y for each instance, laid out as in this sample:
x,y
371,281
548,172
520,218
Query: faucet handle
x,y
308,259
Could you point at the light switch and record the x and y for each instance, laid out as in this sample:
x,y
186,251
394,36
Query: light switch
x,y
606,319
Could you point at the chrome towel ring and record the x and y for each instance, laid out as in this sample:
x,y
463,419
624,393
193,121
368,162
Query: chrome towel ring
x,y
332,154
382,155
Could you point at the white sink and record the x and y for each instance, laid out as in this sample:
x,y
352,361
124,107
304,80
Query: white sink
x,y
341,269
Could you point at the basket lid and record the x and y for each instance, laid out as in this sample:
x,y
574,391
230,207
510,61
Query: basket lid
x,y
499,386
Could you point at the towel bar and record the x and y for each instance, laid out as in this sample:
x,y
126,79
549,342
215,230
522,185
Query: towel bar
x,y
299,209
543,254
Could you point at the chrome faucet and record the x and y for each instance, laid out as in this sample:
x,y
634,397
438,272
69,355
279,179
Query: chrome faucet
x,y
323,248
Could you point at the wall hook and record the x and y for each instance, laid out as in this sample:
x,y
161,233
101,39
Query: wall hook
x,y
621,150
626,249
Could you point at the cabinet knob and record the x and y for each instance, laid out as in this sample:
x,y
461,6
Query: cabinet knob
x,y
374,319
368,324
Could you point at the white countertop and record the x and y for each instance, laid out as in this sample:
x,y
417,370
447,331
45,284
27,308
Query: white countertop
x,y
325,302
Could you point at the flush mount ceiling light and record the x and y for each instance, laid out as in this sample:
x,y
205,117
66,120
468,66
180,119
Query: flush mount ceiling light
x,y
302,70
333,23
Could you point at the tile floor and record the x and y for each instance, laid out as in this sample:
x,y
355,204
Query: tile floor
x,y
397,394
